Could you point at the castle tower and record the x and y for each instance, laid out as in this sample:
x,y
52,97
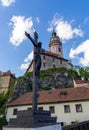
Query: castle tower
x,y
55,45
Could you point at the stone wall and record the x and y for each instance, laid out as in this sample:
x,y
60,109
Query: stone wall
x,y
51,61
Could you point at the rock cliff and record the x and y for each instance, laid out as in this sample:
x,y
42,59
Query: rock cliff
x,y
48,79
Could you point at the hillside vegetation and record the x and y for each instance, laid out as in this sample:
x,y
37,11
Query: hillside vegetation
x,y
48,79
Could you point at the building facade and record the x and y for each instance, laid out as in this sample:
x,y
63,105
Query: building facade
x,y
68,105
81,83
53,57
7,79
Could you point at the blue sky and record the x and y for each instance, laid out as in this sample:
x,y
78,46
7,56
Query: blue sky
x,y
69,18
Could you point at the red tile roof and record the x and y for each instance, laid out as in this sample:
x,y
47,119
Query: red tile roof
x,y
81,81
54,96
8,73
51,53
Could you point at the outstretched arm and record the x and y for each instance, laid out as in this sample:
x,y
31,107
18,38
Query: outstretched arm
x,y
32,40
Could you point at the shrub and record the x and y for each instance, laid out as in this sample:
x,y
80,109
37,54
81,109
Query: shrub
x,y
3,122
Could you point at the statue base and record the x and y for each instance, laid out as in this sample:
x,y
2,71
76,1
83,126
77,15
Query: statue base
x,y
30,119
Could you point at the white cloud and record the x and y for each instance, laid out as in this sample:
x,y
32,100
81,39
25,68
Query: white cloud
x,y
29,57
37,19
24,66
27,61
7,3
20,24
64,29
82,48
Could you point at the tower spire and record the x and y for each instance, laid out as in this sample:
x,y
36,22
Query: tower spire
x,y
55,44
54,33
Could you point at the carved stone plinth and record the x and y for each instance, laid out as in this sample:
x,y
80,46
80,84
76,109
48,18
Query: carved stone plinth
x,y
29,118
50,127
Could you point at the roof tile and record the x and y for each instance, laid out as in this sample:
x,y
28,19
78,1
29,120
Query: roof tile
x,y
81,81
53,96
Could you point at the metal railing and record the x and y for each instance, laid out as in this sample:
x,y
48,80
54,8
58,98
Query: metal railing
x,y
77,126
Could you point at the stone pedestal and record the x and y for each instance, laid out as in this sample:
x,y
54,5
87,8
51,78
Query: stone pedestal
x,y
30,118
33,120
50,127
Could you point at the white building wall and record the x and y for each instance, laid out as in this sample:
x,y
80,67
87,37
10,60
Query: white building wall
x,y
59,111
80,84
10,111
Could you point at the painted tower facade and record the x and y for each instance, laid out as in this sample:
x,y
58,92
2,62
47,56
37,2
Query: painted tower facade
x,y
55,45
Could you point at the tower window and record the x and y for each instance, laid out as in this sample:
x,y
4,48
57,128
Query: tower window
x,y
53,59
44,57
60,61
59,49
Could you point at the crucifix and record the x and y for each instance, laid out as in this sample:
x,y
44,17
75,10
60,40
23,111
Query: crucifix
x,y
36,66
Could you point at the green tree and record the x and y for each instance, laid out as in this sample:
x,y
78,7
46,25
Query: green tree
x,y
3,122
84,73
3,99
74,74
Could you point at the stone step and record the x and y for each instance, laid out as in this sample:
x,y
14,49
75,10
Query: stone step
x,y
30,113
29,118
32,121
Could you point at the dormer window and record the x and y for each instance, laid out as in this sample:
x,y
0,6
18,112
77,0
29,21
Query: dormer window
x,y
63,93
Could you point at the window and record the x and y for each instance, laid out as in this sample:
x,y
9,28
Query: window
x,y
63,93
43,64
3,91
15,111
60,61
30,108
40,108
59,49
53,66
66,108
78,107
0,84
3,85
53,59
44,57
52,109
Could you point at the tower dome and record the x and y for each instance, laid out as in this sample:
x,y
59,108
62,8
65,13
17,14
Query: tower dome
x,y
55,44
